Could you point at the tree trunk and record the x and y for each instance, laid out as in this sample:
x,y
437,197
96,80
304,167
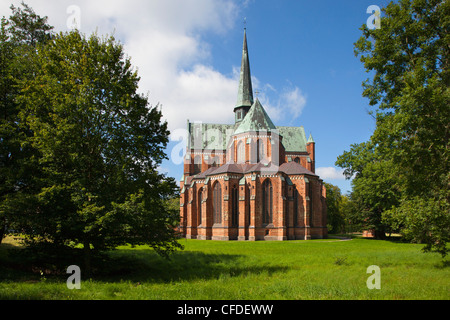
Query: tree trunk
x,y
380,234
87,258
2,229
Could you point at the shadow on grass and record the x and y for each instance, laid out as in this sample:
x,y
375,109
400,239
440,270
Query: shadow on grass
x,y
146,266
142,265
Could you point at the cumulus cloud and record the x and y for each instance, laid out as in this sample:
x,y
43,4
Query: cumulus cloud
x,y
294,100
330,173
164,40
287,105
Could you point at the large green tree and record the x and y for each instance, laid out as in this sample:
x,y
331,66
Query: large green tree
x,y
99,144
19,36
409,56
335,218
375,185
409,91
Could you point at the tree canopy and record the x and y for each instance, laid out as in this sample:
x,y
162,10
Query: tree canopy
x,y
404,172
96,145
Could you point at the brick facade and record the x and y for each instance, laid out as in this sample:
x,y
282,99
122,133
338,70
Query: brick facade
x,y
251,180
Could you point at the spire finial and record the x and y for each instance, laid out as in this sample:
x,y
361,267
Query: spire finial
x,y
245,23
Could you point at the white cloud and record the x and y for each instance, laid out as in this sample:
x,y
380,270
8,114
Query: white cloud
x,y
201,94
163,38
330,173
288,105
294,100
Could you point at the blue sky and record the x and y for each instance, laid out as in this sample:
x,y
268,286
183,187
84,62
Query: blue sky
x,y
188,54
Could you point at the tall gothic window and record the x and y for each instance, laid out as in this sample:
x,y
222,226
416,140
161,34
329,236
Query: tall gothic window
x,y
200,198
240,152
197,165
260,150
267,202
235,207
295,207
217,203
311,209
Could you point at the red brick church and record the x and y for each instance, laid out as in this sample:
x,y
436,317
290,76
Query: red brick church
x,y
251,180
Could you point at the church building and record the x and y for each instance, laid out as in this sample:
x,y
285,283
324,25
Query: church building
x,y
250,180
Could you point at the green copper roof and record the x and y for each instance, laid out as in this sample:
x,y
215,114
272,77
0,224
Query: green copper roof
x,y
209,136
245,93
310,139
256,119
217,136
294,138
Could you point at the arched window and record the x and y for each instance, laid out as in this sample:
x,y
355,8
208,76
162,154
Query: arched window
x,y
217,203
295,207
239,115
197,165
260,150
311,202
199,211
215,161
267,202
235,207
297,159
240,153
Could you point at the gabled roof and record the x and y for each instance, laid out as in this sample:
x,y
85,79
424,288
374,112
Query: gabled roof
x,y
231,168
256,119
205,173
292,168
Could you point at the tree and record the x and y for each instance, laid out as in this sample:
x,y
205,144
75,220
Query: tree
x,y
352,218
19,36
376,191
335,219
99,145
409,59
409,56
375,185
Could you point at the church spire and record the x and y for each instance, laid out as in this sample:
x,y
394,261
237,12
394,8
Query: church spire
x,y
245,93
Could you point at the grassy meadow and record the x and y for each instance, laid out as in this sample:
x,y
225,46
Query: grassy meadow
x,y
315,269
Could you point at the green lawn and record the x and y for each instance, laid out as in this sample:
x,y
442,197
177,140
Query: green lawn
x,y
316,269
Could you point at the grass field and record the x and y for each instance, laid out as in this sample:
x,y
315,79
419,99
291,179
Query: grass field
x,y
316,269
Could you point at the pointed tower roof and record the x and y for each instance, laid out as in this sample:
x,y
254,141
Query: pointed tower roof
x,y
310,140
256,119
245,93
